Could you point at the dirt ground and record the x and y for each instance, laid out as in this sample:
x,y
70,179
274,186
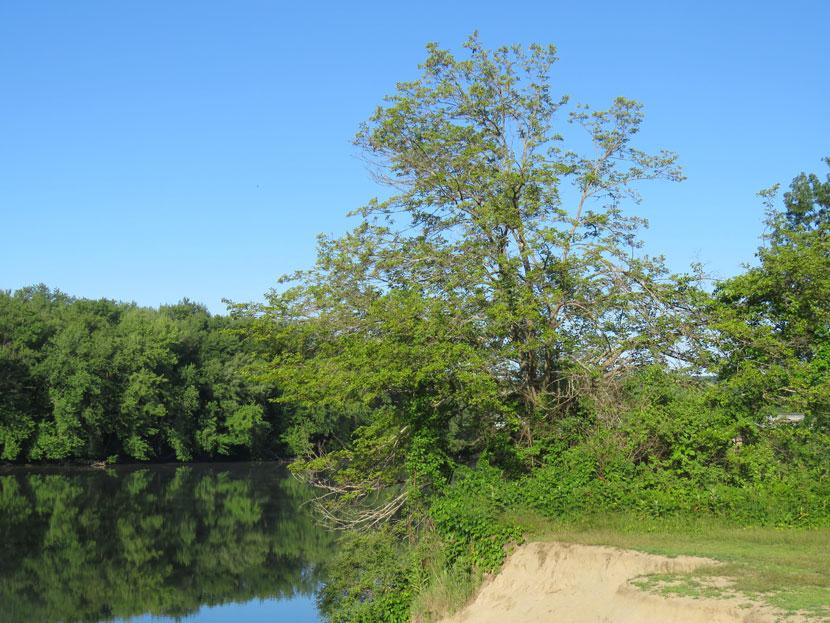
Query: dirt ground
x,y
569,583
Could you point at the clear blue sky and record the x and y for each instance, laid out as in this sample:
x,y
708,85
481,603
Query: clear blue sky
x,y
151,150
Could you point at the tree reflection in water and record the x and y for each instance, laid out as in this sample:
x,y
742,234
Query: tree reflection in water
x,y
89,545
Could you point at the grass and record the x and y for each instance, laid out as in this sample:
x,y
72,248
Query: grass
x,y
787,568
446,592
685,586
445,588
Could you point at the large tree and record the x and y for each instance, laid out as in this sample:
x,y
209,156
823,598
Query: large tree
x,y
495,288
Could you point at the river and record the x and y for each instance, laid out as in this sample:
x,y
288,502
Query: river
x,y
197,543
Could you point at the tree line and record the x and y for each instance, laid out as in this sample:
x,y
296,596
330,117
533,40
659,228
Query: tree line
x,y
97,379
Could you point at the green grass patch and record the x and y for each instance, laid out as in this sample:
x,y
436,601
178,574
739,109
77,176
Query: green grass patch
x,y
447,591
685,586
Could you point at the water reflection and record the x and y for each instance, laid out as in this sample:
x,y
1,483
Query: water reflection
x,y
88,545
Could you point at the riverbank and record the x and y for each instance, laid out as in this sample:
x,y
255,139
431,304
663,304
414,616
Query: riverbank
x,y
637,574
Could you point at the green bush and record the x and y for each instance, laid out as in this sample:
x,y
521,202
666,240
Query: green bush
x,y
468,518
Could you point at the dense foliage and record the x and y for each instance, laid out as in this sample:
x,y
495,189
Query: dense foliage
x,y
490,341
84,379
674,453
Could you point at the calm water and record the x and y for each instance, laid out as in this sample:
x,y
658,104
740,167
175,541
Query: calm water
x,y
197,543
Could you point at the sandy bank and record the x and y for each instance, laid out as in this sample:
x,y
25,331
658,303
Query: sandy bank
x,y
567,583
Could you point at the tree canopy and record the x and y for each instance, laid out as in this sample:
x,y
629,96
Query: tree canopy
x,y
84,379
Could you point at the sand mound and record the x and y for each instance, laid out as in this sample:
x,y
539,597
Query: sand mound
x,y
567,583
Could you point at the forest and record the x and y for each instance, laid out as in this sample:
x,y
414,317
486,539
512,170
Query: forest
x,y
100,380
489,344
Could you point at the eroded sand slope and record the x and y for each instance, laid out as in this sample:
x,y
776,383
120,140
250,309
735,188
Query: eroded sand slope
x,y
567,583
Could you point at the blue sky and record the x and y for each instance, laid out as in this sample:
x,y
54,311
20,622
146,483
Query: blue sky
x,y
151,150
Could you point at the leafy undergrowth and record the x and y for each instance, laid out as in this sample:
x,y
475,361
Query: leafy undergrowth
x,y
788,568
